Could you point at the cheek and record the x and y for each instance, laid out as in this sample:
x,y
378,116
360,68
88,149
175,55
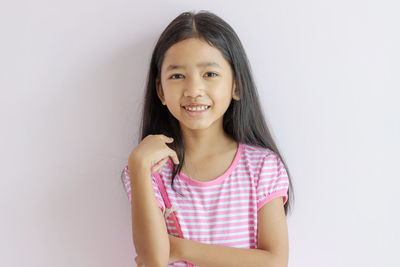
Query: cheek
x,y
173,103
170,98
223,98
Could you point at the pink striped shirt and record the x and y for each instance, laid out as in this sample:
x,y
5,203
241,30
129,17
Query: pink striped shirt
x,y
223,211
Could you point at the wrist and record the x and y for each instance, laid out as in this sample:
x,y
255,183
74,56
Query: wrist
x,y
137,166
175,247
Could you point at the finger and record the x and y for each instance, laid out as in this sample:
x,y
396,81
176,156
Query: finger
x,y
166,138
159,170
155,169
175,157
162,161
138,261
159,164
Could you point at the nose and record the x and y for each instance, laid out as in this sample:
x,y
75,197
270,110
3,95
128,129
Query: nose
x,y
194,87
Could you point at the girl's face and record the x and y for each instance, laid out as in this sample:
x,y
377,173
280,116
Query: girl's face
x,y
193,72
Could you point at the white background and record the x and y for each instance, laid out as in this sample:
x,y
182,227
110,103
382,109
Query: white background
x,y
72,77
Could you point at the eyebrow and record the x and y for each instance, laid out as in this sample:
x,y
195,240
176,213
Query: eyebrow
x,y
203,64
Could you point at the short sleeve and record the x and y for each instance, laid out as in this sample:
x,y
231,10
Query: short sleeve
x,y
127,183
272,181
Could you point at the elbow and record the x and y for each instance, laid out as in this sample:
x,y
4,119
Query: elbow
x,y
277,260
154,255
280,262
161,262
156,264
157,259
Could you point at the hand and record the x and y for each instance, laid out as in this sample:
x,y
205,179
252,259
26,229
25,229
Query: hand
x,y
172,252
139,261
152,152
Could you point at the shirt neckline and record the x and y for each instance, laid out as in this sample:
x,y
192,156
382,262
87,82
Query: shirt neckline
x,y
220,178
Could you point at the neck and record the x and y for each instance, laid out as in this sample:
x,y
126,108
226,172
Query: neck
x,y
205,142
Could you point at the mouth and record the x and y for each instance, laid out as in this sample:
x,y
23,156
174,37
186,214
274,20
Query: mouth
x,y
196,111
196,108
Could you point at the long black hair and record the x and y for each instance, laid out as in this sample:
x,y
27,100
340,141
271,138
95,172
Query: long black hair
x,y
243,124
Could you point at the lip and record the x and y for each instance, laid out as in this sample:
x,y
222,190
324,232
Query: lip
x,y
194,105
196,113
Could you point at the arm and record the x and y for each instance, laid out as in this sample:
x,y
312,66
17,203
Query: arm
x,y
150,234
207,255
272,244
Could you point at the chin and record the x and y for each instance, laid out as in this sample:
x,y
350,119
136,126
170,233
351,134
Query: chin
x,y
195,126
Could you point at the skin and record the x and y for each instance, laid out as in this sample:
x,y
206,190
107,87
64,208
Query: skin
x,y
203,136
206,142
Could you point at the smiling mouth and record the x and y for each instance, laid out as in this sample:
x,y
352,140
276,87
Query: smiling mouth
x,y
196,109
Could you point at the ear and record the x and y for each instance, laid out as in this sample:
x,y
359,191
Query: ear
x,y
160,93
234,91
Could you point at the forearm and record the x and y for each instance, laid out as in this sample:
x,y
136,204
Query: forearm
x,y
206,255
148,226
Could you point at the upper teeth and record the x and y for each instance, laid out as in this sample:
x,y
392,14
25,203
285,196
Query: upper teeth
x,y
196,108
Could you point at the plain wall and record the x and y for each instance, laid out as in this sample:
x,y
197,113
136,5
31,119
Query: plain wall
x,y
72,81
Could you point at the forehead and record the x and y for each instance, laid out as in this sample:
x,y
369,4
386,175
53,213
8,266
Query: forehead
x,y
193,53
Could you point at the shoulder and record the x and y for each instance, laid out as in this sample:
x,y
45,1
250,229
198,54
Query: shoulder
x,y
126,178
262,163
253,149
257,155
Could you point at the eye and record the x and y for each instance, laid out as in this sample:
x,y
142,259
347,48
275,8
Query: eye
x,y
174,75
212,73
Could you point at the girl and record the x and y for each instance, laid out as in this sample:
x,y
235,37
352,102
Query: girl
x,y
206,183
